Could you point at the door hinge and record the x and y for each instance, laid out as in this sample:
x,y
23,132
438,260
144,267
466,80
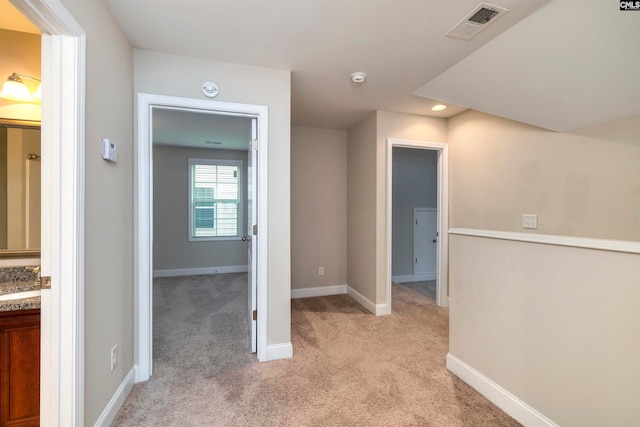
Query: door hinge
x,y
255,230
416,260
45,282
255,314
254,144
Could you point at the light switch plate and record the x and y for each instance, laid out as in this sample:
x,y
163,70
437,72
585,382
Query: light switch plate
x,y
530,221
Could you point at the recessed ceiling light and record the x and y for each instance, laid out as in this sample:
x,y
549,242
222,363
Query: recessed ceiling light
x,y
358,77
439,107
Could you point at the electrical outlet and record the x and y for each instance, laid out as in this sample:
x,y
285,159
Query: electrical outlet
x,y
114,357
320,271
530,221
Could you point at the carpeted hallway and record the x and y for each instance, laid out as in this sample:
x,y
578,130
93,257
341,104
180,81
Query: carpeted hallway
x,y
350,368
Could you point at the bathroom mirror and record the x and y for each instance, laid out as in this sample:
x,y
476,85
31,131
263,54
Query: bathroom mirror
x,y
19,188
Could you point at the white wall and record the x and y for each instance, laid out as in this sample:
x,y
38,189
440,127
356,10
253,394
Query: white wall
x,y
108,201
361,202
555,326
172,249
415,185
166,74
397,126
318,207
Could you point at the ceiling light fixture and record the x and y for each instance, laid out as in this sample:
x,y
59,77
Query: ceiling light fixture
x,y
14,89
358,77
439,107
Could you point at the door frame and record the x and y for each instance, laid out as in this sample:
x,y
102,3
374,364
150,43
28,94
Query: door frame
x,y
442,262
62,231
143,337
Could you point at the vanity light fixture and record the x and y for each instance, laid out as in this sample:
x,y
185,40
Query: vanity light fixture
x,y
14,89
439,107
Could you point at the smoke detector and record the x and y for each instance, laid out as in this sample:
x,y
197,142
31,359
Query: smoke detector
x,y
358,77
477,20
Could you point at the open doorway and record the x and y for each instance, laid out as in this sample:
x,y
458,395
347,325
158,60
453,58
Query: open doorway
x,y
414,219
201,234
422,258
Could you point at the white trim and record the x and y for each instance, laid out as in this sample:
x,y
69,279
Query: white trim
x,y
550,239
414,278
318,291
502,398
143,355
62,252
19,295
442,264
279,351
111,410
377,309
201,271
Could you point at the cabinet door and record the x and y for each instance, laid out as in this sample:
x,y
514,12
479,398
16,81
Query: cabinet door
x,y
20,393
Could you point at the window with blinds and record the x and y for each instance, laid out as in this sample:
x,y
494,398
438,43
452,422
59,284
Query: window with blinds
x,y
215,194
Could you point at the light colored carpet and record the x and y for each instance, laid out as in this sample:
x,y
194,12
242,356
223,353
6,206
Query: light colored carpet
x,y
426,288
350,368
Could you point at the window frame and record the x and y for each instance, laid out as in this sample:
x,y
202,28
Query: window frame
x,y
217,162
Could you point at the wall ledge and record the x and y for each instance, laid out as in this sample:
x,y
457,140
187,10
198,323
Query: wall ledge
x,y
549,239
502,398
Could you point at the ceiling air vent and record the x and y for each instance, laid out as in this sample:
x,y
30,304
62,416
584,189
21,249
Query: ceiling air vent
x,y
477,20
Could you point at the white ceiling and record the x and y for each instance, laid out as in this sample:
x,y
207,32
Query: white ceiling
x,y
399,44
561,64
570,65
183,128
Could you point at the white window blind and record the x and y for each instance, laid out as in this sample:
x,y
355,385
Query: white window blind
x,y
215,198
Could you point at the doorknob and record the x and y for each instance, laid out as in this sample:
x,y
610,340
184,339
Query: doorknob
x,y
435,240
246,238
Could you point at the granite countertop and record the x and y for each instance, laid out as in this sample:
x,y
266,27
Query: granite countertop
x,y
15,281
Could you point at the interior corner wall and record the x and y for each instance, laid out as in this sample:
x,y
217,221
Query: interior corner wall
x,y
318,207
108,206
172,249
173,75
554,325
361,207
396,126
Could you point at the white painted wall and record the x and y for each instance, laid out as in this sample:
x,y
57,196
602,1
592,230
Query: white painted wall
x,y
318,207
108,205
173,75
555,326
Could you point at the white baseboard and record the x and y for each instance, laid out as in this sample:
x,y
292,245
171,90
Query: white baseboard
x,y
279,351
377,309
319,291
414,278
199,271
506,401
114,405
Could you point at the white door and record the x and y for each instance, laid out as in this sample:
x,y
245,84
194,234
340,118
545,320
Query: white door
x,y
425,241
251,238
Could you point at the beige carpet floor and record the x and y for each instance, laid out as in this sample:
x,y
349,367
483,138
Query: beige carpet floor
x,y
350,368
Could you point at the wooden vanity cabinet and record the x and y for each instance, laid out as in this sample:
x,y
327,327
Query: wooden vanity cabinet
x,y
20,369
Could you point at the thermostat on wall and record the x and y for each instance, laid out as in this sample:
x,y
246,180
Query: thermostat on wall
x,y
109,150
